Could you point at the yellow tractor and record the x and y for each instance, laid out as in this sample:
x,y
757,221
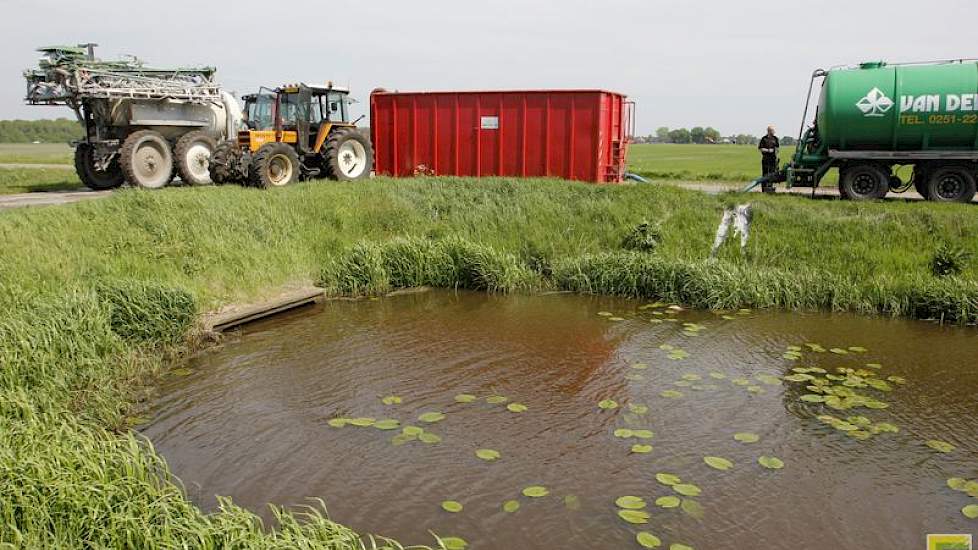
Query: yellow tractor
x,y
297,131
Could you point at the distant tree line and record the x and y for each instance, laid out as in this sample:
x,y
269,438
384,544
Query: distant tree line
x,y
61,130
700,135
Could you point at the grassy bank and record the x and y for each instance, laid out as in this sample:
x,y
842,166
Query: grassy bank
x,y
99,297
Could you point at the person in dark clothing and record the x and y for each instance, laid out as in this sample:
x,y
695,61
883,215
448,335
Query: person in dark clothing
x,y
769,146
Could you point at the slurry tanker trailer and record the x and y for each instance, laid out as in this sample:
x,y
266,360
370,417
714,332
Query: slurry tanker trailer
x,y
892,127
142,124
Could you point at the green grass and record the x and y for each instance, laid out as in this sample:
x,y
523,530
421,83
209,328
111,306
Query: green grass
x,y
35,153
100,297
703,163
31,180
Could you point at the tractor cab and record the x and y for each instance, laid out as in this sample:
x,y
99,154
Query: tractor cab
x,y
299,114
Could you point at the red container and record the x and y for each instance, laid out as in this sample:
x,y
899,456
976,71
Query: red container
x,y
573,134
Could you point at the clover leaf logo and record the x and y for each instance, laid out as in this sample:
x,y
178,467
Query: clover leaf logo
x,y
875,103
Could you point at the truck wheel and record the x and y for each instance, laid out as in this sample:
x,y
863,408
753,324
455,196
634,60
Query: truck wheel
x,y
951,184
920,183
193,152
274,165
349,155
227,164
91,175
146,159
863,182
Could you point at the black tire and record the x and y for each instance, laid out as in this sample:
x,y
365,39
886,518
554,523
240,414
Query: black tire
x,y
94,178
951,184
920,181
146,159
862,182
348,154
193,152
227,164
274,165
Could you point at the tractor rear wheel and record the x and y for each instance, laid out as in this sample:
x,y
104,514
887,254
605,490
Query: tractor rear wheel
x,y
349,155
193,153
862,182
951,184
274,165
228,164
146,159
95,178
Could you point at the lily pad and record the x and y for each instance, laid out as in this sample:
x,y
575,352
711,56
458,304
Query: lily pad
x,y
643,434
624,433
429,438
637,408
670,501
402,438
392,400
671,394
516,407
606,314
687,489
692,508
740,381
511,506
616,319
338,422
465,398
957,483
747,437
813,398
692,377
629,502
839,351
858,349
488,455
717,375
455,543
362,422
940,446
667,479
571,502
640,366
770,462
718,463
636,517
647,540
608,404
387,424
496,399
451,506
970,511
431,417
677,546
641,449
536,491
412,430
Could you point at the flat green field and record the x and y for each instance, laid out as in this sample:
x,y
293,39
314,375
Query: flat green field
x,y
702,163
32,180
35,153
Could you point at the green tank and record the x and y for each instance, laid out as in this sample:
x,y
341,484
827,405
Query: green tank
x,y
874,117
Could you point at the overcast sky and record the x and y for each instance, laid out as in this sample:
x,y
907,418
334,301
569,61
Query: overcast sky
x,y
731,64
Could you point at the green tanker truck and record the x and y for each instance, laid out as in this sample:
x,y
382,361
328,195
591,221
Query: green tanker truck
x,y
892,127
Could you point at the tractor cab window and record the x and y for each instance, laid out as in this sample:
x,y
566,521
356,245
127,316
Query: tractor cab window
x,y
260,112
315,110
289,109
336,106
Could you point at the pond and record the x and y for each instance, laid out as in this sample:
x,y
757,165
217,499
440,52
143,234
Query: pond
x,y
590,398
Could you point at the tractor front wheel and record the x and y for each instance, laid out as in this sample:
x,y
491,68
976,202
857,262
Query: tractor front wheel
x,y
228,164
349,155
274,165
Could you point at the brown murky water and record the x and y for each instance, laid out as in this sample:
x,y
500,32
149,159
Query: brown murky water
x,y
250,422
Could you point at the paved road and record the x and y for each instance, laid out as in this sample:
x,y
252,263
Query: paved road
x,y
49,198
36,165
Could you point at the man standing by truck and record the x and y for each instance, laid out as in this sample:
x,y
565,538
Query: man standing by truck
x,y
769,146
